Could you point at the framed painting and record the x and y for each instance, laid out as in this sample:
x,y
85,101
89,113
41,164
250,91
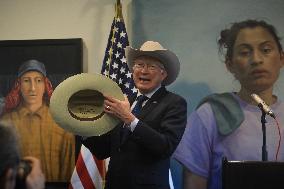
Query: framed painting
x,y
30,70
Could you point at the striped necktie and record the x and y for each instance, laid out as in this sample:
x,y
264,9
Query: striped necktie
x,y
139,101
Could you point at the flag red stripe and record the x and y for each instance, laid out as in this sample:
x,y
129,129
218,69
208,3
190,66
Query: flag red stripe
x,y
83,173
70,186
101,167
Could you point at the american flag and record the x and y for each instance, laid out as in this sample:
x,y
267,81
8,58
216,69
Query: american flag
x,y
114,64
89,172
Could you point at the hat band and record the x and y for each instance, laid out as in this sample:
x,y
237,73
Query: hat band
x,y
86,118
86,105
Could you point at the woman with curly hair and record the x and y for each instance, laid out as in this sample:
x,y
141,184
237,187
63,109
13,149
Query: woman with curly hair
x,y
228,124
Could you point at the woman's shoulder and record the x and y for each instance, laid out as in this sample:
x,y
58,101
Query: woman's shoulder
x,y
225,109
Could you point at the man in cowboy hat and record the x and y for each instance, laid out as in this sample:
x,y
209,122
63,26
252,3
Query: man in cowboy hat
x,y
140,146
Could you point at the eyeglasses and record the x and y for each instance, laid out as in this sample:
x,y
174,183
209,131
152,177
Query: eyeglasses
x,y
150,67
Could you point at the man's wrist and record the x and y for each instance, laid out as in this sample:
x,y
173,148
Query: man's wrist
x,y
133,124
130,119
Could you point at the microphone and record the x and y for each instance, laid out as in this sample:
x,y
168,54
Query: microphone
x,y
262,105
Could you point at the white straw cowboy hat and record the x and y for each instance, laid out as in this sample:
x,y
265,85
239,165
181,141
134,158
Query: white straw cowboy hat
x,y
155,49
77,104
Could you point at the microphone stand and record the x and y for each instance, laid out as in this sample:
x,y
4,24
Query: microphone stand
x,y
263,121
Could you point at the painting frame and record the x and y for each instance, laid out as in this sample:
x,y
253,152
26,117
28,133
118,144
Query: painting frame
x,y
61,57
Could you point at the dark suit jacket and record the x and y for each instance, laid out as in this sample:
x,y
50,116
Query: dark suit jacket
x,y
143,160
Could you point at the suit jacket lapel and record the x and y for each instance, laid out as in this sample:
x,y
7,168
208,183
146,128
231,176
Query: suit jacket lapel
x,y
147,108
152,102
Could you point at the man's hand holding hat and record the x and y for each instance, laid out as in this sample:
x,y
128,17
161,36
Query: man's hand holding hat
x,y
119,108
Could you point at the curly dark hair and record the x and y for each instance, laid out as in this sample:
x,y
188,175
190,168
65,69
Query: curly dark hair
x,y
228,36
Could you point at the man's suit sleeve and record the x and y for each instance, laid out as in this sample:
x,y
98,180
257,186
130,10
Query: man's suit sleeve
x,y
98,145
